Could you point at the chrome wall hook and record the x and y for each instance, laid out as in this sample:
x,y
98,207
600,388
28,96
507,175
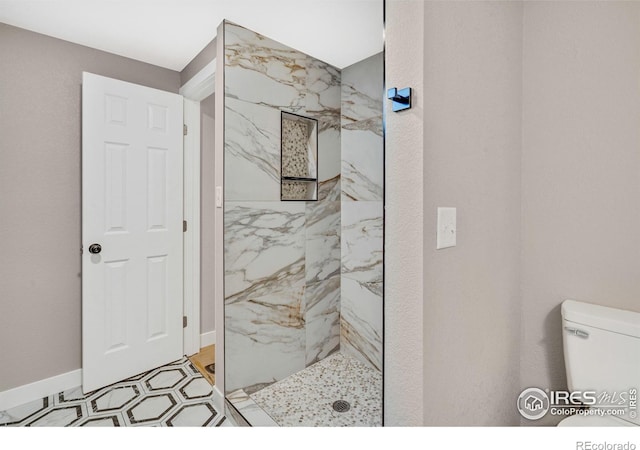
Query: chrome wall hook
x,y
401,98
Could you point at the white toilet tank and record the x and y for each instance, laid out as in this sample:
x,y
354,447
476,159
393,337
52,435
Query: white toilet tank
x,y
602,352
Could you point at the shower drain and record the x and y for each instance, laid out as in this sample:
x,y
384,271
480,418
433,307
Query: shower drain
x,y
341,406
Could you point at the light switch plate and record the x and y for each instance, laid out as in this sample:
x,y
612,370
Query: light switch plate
x,y
446,233
218,196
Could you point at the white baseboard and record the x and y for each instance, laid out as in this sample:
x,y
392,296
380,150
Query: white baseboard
x,y
208,338
39,389
218,399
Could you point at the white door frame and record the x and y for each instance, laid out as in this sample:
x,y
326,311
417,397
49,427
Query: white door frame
x,y
199,87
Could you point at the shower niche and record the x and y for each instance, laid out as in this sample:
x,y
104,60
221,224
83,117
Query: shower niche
x,y
298,158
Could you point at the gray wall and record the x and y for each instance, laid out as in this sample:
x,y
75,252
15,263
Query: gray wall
x,y
530,129
403,257
207,214
472,141
40,86
203,58
581,171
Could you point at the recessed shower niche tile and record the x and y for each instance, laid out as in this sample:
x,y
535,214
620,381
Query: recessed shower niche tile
x,y
299,157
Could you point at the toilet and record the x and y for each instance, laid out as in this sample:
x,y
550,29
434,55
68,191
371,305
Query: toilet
x,y
602,354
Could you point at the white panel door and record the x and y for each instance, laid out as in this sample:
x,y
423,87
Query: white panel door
x,y
132,209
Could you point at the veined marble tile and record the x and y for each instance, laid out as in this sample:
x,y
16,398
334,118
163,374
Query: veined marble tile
x,y
323,102
262,71
361,121
322,301
252,152
262,240
323,94
361,321
329,190
360,111
322,255
362,244
329,163
362,166
366,77
264,338
264,289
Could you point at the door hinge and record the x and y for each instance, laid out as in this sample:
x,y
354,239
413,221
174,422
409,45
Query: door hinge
x,y
184,321
184,226
184,129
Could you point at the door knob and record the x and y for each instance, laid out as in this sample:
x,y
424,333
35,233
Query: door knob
x,y
95,248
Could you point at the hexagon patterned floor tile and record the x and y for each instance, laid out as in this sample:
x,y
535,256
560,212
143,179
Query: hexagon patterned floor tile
x,y
59,416
165,378
115,399
196,388
151,408
187,415
20,414
106,421
172,395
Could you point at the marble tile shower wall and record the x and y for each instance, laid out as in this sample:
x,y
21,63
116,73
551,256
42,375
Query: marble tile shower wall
x,y
362,211
282,259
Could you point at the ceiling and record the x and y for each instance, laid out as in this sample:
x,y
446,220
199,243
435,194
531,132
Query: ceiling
x,y
169,33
